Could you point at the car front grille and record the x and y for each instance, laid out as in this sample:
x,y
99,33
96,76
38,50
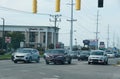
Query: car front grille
x,y
94,60
20,56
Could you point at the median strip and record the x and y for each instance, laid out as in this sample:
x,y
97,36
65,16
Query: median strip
x,y
5,57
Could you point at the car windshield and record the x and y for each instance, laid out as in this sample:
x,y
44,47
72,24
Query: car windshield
x,y
97,53
55,51
23,51
109,53
84,53
74,52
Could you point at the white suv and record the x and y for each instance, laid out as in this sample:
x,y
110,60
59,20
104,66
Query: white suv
x,y
98,56
26,55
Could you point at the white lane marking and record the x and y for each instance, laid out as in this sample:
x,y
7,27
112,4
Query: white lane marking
x,y
42,73
56,76
7,69
24,70
49,78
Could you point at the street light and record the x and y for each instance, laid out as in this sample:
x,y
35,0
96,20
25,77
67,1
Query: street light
x,y
3,33
76,41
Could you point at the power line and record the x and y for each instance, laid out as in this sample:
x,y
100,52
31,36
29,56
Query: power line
x,y
15,10
79,25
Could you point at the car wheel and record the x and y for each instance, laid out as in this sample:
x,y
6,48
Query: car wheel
x,y
106,62
78,59
47,62
29,61
38,60
55,62
12,58
89,63
15,61
69,62
62,62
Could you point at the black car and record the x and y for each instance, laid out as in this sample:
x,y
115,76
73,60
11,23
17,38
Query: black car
x,y
57,56
83,55
74,54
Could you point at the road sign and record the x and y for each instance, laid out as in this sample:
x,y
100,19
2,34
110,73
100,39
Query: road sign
x,y
7,39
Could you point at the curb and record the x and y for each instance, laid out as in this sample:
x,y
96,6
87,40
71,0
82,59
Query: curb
x,y
5,59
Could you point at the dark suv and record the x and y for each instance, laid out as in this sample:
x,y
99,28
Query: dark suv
x,y
57,56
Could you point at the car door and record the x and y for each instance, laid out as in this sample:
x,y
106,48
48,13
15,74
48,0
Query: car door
x,y
105,57
35,54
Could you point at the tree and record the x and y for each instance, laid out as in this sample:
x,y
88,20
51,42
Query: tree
x,y
51,46
16,38
0,42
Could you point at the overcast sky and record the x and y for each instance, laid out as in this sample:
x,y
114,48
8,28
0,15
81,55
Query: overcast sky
x,y
15,13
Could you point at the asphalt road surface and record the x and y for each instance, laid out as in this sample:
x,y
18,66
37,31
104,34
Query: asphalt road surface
x,y
77,70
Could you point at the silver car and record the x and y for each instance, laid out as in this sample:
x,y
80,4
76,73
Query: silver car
x,y
98,56
26,54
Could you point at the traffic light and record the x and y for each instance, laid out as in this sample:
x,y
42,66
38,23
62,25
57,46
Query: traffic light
x,y
57,8
34,10
78,4
100,3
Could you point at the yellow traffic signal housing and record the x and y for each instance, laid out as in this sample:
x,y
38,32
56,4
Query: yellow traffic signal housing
x,y
78,4
57,8
34,10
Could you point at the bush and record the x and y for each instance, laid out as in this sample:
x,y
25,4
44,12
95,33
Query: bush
x,y
5,57
2,52
51,46
118,62
41,50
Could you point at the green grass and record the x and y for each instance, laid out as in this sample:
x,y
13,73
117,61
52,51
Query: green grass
x,y
5,57
118,62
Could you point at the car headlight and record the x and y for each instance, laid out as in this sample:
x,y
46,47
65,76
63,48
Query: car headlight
x,y
27,55
47,55
101,58
87,55
60,56
89,58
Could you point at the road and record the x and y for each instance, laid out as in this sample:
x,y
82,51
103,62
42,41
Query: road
x,y
77,70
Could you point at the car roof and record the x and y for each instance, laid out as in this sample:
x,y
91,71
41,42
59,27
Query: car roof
x,y
98,50
26,48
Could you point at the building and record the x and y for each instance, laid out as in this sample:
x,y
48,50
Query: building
x,y
35,36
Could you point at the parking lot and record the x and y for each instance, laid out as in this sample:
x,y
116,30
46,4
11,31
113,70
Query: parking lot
x,y
77,70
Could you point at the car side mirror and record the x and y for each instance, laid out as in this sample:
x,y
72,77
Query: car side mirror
x,y
65,53
32,52
105,54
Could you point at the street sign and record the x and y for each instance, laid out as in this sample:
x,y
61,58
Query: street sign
x,y
86,42
7,39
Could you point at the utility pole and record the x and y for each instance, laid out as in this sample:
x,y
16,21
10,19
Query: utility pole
x,y
108,37
55,17
118,42
114,40
97,29
76,41
71,30
3,37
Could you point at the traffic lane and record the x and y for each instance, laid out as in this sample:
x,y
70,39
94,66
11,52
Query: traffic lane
x,y
113,60
77,70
